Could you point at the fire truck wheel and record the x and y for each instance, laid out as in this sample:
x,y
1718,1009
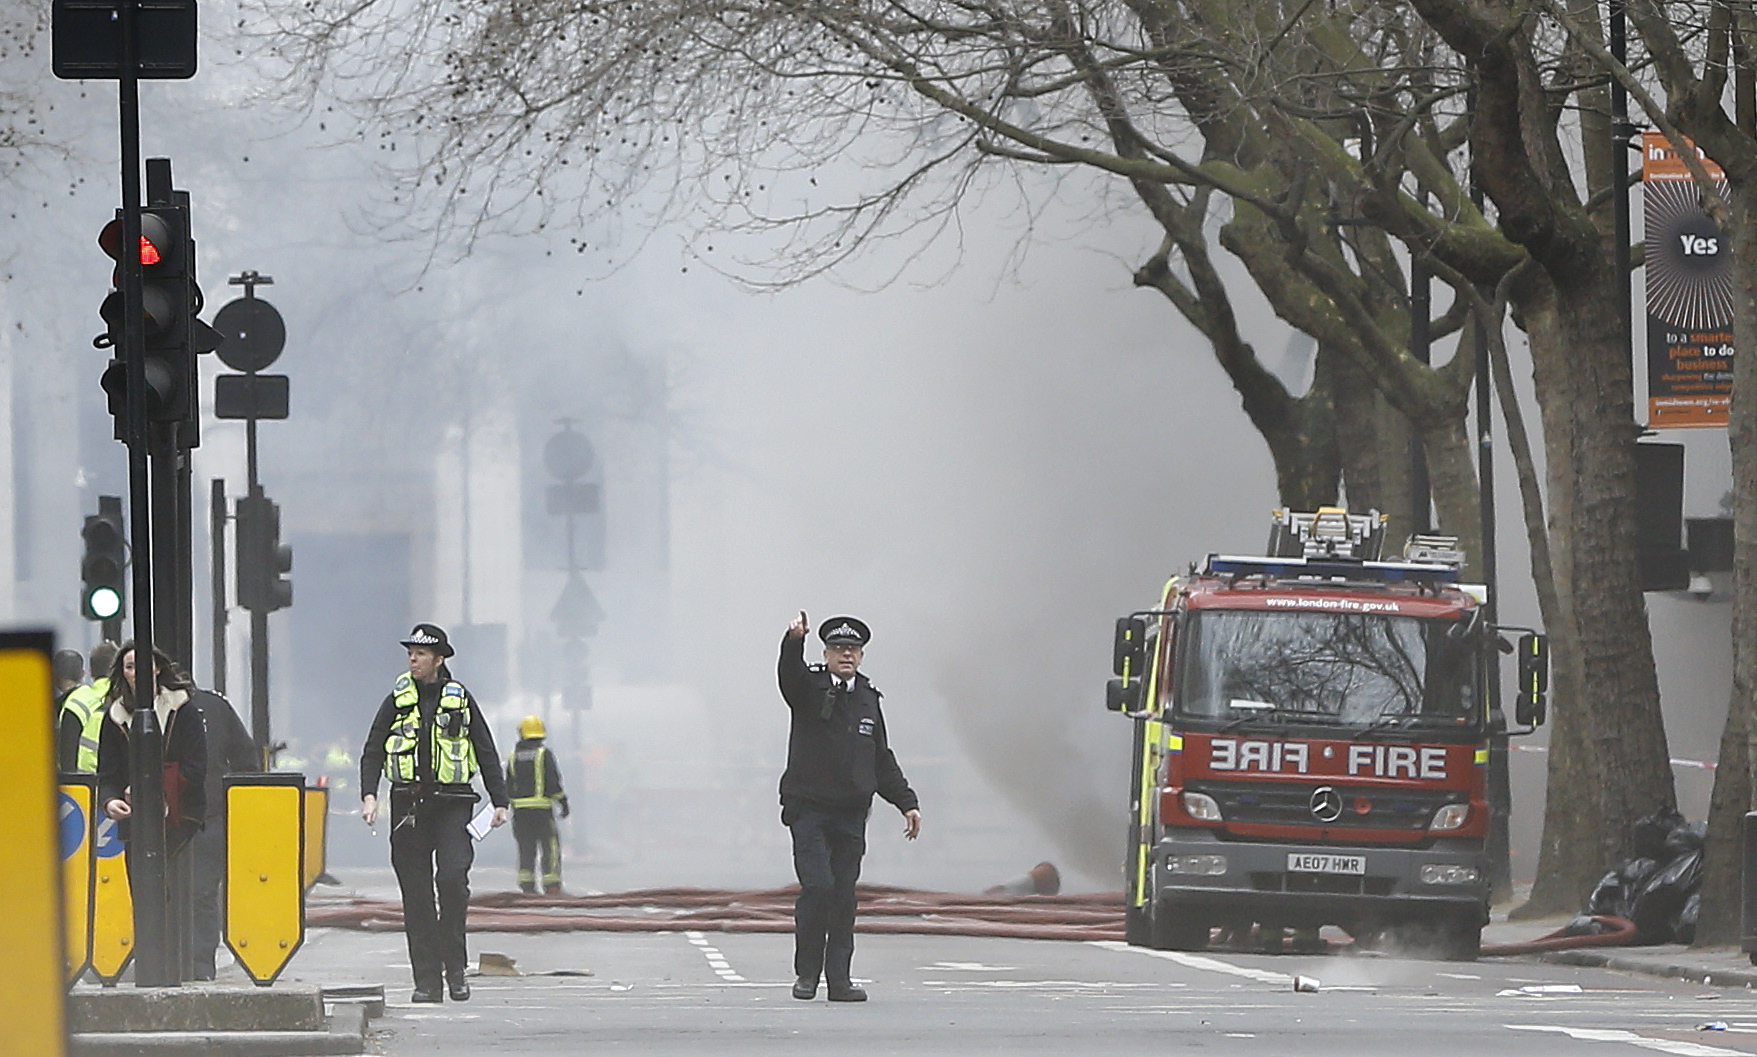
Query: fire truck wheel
x,y
1460,943
1137,927
1178,932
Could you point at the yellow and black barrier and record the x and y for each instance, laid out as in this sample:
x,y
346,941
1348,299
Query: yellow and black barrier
x,y
78,803
32,934
112,928
316,857
265,871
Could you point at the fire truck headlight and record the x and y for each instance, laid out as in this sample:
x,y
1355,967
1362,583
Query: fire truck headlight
x,y
1445,874
1204,865
1202,806
1450,817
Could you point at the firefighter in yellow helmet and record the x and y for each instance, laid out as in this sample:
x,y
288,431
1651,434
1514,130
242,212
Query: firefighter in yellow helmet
x,y
534,780
432,740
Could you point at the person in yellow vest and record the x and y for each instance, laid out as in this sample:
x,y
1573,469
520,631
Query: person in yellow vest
x,y
82,712
431,738
534,780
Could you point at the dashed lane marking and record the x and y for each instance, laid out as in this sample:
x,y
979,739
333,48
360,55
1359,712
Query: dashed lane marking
x,y
1674,1046
1197,961
716,961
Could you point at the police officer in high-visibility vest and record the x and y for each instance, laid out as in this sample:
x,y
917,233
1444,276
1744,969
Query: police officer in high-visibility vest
x,y
82,713
431,738
534,779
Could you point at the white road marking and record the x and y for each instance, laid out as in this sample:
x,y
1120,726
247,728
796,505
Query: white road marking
x,y
1105,985
1197,961
968,967
1682,1049
716,961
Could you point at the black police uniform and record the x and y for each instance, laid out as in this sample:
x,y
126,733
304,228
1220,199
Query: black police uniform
x,y
837,757
430,847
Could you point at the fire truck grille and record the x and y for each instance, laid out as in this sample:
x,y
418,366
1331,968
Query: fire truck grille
x,y
1334,884
1291,805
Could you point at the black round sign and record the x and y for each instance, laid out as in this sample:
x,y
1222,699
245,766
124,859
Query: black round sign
x,y
254,334
568,455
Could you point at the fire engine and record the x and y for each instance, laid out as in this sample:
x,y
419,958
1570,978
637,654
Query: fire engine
x,y
1311,740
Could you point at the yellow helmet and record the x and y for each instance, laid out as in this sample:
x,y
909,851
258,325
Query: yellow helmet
x,y
532,727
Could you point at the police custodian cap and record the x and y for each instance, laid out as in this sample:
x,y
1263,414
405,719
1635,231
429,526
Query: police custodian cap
x,y
843,631
431,636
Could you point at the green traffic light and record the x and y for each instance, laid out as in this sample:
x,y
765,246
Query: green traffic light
x,y
104,602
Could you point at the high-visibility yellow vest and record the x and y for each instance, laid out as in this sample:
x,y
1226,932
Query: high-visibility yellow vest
x,y
533,759
87,703
454,755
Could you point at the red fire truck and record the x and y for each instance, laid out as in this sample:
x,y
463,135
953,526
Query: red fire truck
x,y
1311,740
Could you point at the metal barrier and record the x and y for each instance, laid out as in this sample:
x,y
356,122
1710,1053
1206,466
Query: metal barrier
x,y
265,871
33,992
316,857
76,811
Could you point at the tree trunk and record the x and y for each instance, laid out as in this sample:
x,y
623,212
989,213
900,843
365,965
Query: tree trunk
x,y
1616,753
1721,884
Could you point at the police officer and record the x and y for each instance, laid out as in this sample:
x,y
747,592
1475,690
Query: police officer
x,y
837,757
534,780
432,738
82,713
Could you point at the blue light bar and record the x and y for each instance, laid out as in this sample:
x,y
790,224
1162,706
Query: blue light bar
x,y
1293,568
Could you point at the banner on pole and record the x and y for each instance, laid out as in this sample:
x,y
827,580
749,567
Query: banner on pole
x,y
1688,268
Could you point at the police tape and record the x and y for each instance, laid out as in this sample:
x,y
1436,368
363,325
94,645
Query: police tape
x,y
1696,765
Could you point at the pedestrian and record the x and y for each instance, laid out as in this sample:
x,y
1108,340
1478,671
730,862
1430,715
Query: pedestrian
x,y
82,713
838,755
431,738
533,778
185,748
230,750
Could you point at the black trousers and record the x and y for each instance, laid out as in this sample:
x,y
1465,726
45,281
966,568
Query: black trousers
x,y
827,848
534,829
432,852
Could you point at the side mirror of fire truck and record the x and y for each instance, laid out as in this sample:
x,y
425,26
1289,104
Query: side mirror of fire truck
x,y
1530,709
1129,655
1123,695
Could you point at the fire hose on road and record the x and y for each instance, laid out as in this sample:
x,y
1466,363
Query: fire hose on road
x,y
883,909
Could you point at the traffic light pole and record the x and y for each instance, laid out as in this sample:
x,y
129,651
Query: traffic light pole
x,y
217,537
153,966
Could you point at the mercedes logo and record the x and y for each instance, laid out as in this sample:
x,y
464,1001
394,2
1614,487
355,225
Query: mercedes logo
x,y
1326,804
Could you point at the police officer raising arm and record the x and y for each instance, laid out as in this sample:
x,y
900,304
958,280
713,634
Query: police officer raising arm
x,y
838,756
431,737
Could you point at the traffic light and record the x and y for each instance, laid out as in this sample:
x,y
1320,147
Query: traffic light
x,y
262,558
104,594
168,303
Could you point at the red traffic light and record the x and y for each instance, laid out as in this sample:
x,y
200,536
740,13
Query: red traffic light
x,y
155,239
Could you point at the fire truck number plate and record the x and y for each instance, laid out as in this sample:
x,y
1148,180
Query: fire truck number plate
x,y
1307,862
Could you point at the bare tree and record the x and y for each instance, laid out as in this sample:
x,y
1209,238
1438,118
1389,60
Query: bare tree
x,y
1323,146
1700,54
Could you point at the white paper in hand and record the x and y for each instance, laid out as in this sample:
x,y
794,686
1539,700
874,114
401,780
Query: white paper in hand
x,y
482,823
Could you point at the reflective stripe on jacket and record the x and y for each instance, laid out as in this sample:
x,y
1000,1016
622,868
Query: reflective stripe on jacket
x,y
528,777
454,755
87,703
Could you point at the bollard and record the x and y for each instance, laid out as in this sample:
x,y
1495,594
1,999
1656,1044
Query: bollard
x,y
265,862
32,935
1748,900
315,859
78,801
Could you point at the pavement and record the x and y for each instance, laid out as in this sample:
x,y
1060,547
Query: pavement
x,y
1710,966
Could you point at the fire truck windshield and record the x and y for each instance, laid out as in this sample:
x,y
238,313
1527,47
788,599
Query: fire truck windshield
x,y
1341,669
